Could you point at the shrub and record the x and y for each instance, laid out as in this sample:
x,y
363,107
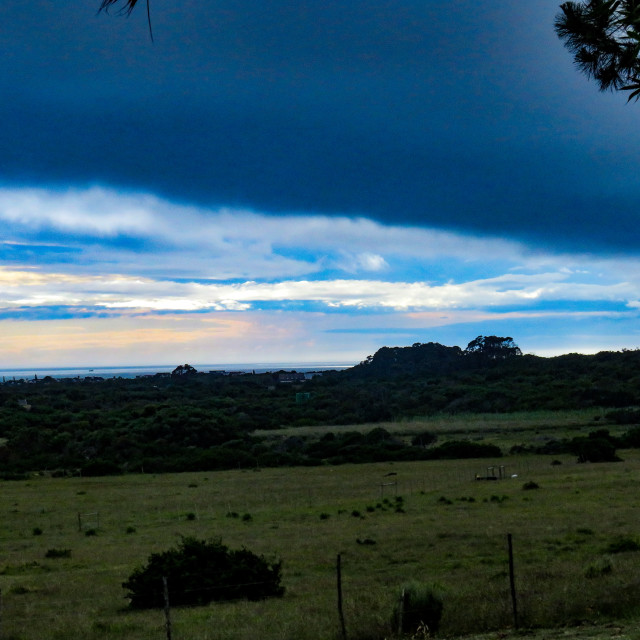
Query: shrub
x,y
324,516
528,486
623,544
624,416
600,567
420,606
199,572
378,435
58,553
459,449
130,530
594,449
37,531
191,515
19,590
100,468
247,517
424,439
91,532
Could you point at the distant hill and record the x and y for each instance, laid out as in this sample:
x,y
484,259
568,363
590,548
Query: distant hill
x,y
492,375
433,358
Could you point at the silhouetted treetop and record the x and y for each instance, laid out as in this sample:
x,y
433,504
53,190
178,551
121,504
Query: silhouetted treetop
x,y
183,370
493,348
431,357
604,37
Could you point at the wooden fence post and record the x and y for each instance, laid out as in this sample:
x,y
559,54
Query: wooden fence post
x,y
401,613
340,611
512,582
167,610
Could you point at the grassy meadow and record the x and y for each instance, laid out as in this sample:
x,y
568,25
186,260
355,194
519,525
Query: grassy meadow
x,y
436,524
502,429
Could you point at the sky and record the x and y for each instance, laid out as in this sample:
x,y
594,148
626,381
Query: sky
x,y
299,182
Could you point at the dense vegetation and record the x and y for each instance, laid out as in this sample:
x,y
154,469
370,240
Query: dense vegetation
x,y
199,421
198,572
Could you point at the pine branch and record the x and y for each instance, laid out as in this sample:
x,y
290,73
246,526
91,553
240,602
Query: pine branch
x,y
128,8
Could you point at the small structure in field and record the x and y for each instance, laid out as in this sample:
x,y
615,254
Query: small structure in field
x,y
491,474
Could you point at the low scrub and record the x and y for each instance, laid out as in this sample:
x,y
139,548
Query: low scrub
x,y
419,608
598,447
58,553
623,544
460,449
199,572
601,567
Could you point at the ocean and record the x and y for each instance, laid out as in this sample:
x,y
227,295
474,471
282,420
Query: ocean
x,y
134,371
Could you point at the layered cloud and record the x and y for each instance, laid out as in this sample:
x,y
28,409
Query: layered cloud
x,y
22,289
94,276
95,251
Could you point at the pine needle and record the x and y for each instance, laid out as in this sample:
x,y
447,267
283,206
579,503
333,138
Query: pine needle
x,y
128,8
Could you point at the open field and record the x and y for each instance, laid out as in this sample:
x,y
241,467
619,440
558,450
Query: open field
x,y
450,530
502,429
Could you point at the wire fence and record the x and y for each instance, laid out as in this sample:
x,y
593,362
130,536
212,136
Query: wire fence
x,y
515,591
506,597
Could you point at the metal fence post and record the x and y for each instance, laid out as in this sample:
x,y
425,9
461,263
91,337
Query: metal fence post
x,y
512,582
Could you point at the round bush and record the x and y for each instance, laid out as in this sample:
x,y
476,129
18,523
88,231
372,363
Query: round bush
x,y
199,572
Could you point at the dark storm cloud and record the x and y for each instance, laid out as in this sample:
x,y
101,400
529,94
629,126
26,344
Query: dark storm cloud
x,y
434,114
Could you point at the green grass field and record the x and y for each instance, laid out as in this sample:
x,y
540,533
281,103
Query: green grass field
x,y
503,430
450,531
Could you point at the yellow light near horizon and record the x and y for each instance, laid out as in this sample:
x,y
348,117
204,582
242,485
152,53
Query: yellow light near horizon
x,y
59,341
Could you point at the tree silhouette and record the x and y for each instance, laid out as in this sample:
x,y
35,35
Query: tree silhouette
x,y
183,370
604,37
493,348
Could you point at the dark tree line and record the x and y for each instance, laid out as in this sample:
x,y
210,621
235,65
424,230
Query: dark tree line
x,y
204,421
